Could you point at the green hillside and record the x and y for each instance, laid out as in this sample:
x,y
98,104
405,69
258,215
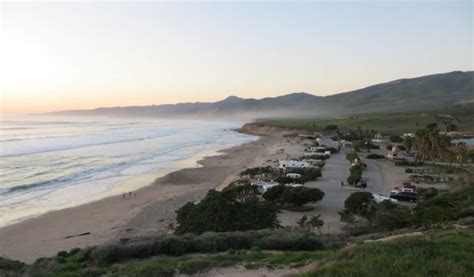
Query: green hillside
x,y
422,93
388,123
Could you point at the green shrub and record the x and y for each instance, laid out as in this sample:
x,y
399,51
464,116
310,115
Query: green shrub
x,y
466,212
307,174
440,254
293,196
352,156
466,221
290,242
11,265
444,207
388,219
235,209
194,266
375,156
396,139
360,203
331,127
354,179
283,180
257,170
209,242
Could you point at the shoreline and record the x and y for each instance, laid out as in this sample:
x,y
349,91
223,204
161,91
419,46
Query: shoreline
x,y
150,211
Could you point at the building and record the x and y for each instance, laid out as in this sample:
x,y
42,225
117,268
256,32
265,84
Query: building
x,y
293,175
315,162
283,164
346,144
326,154
263,186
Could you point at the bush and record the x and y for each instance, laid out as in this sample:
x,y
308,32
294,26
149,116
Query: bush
x,y
352,156
330,127
408,170
290,242
396,139
257,170
273,194
375,156
429,193
235,209
307,174
448,253
293,196
209,242
467,221
355,174
11,265
466,212
372,146
354,179
388,219
445,207
360,203
283,180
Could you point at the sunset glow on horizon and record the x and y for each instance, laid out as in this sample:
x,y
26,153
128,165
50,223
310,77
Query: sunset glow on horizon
x,y
62,56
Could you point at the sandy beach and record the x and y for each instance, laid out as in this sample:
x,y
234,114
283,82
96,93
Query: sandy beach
x,y
150,210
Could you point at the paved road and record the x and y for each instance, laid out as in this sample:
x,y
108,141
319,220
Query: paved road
x,y
336,170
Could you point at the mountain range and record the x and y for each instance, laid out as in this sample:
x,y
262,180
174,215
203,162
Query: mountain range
x,y
415,94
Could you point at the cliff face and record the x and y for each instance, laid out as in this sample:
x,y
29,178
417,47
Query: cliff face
x,y
260,129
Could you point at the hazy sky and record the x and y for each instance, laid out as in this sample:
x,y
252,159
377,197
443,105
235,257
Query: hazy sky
x,y
57,56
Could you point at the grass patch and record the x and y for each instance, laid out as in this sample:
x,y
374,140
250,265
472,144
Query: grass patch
x,y
387,123
439,253
167,266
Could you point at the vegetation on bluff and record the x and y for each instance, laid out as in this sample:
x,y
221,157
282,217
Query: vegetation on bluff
x,y
292,196
236,208
434,210
387,123
435,253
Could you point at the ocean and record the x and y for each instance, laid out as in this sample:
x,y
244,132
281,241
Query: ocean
x,y
52,163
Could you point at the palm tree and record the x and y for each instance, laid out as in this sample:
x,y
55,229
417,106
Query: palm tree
x,y
460,152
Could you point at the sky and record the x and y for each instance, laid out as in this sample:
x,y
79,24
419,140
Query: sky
x,y
82,55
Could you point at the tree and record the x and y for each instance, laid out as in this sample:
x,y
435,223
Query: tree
x,y
330,127
360,203
408,143
429,143
293,196
356,146
314,222
461,150
352,157
234,209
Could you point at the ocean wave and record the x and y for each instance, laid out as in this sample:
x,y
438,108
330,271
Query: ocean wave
x,y
36,146
113,168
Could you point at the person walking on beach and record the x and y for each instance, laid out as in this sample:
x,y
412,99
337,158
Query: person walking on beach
x,y
123,196
342,184
130,195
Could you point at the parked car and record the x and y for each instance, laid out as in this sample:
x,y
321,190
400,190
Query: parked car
x,y
361,184
405,186
402,190
380,198
408,196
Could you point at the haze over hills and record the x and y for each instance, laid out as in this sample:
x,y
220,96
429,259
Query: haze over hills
x,y
426,92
